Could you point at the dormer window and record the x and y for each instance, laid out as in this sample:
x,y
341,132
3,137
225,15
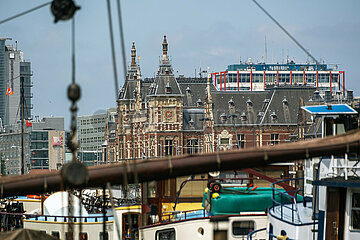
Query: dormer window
x,y
167,88
273,116
260,115
188,90
231,103
243,117
223,117
135,93
285,102
121,95
191,123
249,103
199,103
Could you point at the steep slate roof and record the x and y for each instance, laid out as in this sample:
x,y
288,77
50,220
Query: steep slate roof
x,y
221,105
286,112
129,87
283,102
197,87
163,79
165,76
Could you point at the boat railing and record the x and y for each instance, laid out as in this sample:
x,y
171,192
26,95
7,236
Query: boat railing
x,y
174,216
57,218
249,236
288,197
271,236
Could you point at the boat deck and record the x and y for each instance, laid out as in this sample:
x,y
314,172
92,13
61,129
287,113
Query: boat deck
x,y
293,213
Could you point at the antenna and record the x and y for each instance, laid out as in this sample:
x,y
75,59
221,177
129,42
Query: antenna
x,y
287,56
265,51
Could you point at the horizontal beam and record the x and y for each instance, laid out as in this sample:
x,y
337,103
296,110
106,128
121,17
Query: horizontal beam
x,y
156,169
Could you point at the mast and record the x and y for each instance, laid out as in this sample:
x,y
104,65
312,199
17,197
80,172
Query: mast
x,y
22,101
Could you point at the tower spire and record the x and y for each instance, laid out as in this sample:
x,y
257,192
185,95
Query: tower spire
x,y
133,55
165,49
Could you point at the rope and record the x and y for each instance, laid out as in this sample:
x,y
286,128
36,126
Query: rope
x,y
122,42
24,13
112,49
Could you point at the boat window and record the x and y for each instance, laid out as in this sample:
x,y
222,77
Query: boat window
x,y
83,236
152,189
355,211
101,236
242,227
55,234
130,226
166,234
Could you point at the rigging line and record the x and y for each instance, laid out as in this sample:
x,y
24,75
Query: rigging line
x,y
286,32
112,49
73,49
121,40
24,13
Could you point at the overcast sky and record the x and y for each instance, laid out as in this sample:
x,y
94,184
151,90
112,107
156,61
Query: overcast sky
x,y
200,33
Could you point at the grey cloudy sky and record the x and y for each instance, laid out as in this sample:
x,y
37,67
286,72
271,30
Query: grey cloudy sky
x,y
200,33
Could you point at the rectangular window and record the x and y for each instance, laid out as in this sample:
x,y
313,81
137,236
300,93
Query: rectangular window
x,y
241,139
152,189
168,147
167,234
242,228
55,234
192,146
275,139
355,211
102,237
83,236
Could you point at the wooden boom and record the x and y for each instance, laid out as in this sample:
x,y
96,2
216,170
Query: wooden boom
x,y
155,169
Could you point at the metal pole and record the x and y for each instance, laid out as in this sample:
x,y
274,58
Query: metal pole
x,y
104,213
22,125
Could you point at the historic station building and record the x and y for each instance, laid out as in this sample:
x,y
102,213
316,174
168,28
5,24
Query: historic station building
x,y
169,116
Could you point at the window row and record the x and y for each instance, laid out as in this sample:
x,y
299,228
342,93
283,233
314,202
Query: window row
x,y
92,121
283,78
91,139
239,228
92,130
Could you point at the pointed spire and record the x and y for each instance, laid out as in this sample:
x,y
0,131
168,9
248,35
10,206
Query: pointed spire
x,y
133,55
165,49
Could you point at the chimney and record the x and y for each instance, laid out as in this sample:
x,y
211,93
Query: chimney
x,y
328,96
316,96
349,95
